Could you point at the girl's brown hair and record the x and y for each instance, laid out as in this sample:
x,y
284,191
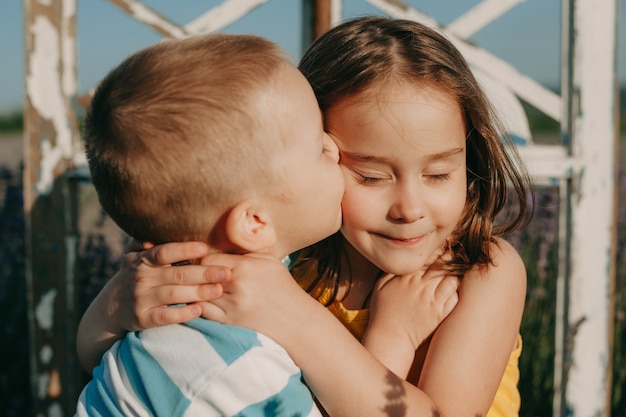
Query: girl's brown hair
x,y
361,56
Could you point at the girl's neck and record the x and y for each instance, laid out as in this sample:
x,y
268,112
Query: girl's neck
x,y
357,280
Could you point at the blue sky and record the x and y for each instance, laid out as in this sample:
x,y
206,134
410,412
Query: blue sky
x,y
528,36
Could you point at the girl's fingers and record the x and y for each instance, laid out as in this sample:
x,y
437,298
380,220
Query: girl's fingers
x,y
448,287
382,281
450,303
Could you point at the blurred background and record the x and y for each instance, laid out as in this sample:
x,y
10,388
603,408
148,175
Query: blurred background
x,y
528,37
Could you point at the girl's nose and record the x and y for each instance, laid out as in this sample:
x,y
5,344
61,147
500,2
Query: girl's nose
x,y
408,204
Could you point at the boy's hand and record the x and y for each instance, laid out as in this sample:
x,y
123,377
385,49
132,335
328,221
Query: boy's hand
x,y
137,297
261,295
148,284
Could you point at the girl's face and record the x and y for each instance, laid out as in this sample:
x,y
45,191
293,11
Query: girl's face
x,y
403,157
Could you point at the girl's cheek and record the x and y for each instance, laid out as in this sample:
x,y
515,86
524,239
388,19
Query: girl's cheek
x,y
356,204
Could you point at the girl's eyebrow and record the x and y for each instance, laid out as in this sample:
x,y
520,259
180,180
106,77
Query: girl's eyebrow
x,y
361,157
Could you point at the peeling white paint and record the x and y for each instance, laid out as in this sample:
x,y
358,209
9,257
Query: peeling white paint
x,y
593,218
68,49
45,2
336,7
44,311
44,91
50,158
480,16
144,14
221,16
46,354
523,86
545,162
507,106
55,410
42,385
397,11
80,159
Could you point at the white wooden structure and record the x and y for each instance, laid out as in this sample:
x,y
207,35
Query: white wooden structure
x,y
583,166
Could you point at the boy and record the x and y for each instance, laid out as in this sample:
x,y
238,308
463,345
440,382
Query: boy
x,y
215,138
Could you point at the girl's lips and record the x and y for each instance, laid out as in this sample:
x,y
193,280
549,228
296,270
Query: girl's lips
x,y
402,241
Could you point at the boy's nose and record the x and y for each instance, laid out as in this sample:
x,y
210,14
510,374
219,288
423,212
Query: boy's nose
x,y
331,146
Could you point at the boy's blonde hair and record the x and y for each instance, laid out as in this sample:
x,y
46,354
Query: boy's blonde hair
x,y
173,136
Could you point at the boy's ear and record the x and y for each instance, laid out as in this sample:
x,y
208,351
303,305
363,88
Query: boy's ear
x,y
249,228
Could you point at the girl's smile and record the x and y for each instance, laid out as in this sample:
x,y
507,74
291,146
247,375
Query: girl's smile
x,y
403,157
399,241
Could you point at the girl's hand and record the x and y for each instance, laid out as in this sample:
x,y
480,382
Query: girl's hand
x,y
404,311
139,295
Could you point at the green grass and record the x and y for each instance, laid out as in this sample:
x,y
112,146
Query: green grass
x,y
11,122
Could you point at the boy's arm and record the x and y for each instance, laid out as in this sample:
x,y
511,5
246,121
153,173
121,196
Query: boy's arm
x,y
347,380
344,376
137,297
465,362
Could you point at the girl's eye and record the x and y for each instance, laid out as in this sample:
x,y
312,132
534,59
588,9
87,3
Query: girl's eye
x,y
369,180
439,177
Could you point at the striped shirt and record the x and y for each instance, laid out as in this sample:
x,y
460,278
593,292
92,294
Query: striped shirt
x,y
200,368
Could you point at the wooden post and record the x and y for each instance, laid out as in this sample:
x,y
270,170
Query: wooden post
x,y
318,17
593,203
51,142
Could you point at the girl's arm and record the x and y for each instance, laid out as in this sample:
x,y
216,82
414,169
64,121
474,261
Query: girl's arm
x,y
470,350
137,297
404,311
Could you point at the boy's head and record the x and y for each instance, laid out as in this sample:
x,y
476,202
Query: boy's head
x,y
196,139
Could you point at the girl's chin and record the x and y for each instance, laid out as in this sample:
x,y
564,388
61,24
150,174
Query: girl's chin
x,y
400,269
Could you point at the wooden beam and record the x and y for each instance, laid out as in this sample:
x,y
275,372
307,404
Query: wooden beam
x,y
51,142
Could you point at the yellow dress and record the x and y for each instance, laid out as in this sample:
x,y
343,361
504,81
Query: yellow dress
x,y
507,400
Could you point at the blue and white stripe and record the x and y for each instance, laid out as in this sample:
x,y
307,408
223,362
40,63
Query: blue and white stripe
x,y
201,368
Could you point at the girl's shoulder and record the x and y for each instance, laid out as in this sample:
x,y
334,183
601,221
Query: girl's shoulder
x,y
504,254
505,274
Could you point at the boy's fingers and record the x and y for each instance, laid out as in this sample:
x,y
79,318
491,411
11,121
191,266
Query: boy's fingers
x,y
135,246
172,315
183,294
212,311
195,274
169,253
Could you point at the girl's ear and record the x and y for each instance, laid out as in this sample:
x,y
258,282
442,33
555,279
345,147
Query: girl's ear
x,y
248,227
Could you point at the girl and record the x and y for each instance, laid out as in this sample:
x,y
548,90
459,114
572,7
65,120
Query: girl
x,y
425,167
